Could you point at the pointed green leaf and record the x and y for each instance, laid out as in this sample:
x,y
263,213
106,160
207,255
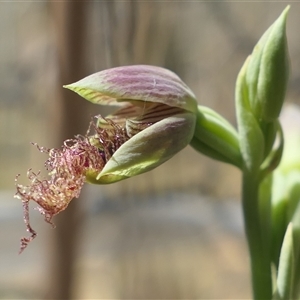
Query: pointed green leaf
x,y
250,135
268,71
286,266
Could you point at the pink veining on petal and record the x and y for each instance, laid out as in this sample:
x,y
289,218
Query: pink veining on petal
x,y
67,169
145,83
149,83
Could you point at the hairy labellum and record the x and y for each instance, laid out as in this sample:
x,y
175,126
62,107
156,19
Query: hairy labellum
x,y
67,169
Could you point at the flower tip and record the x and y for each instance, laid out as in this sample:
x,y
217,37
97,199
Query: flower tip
x,y
85,91
286,10
69,86
111,178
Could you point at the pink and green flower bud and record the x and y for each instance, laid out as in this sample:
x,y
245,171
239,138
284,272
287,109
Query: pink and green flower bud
x,y
155,120
268,71
157,113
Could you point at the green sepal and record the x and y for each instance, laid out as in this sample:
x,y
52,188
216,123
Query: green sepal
x,y
216,137
251,138
268,71
203,148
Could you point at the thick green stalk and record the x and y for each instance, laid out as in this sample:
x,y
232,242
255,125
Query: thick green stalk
x,y
259,257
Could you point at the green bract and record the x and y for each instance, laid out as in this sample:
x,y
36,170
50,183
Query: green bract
x,y
216,137
260,92
250,134
157,113
267,71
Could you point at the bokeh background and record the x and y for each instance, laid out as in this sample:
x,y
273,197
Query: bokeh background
x,y
173,233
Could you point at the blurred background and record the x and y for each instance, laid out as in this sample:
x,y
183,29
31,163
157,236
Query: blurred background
x,y
173,233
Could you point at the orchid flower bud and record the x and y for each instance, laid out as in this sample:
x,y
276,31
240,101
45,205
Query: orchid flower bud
x,y
157,113
260,92
268,71
155,120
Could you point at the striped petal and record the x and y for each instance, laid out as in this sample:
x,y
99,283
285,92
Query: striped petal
x,y
138,82
151,115
148,149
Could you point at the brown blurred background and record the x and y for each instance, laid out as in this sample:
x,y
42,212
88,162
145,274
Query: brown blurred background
x,y
173,233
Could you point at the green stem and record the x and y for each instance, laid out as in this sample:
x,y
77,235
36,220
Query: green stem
x,y
260,263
